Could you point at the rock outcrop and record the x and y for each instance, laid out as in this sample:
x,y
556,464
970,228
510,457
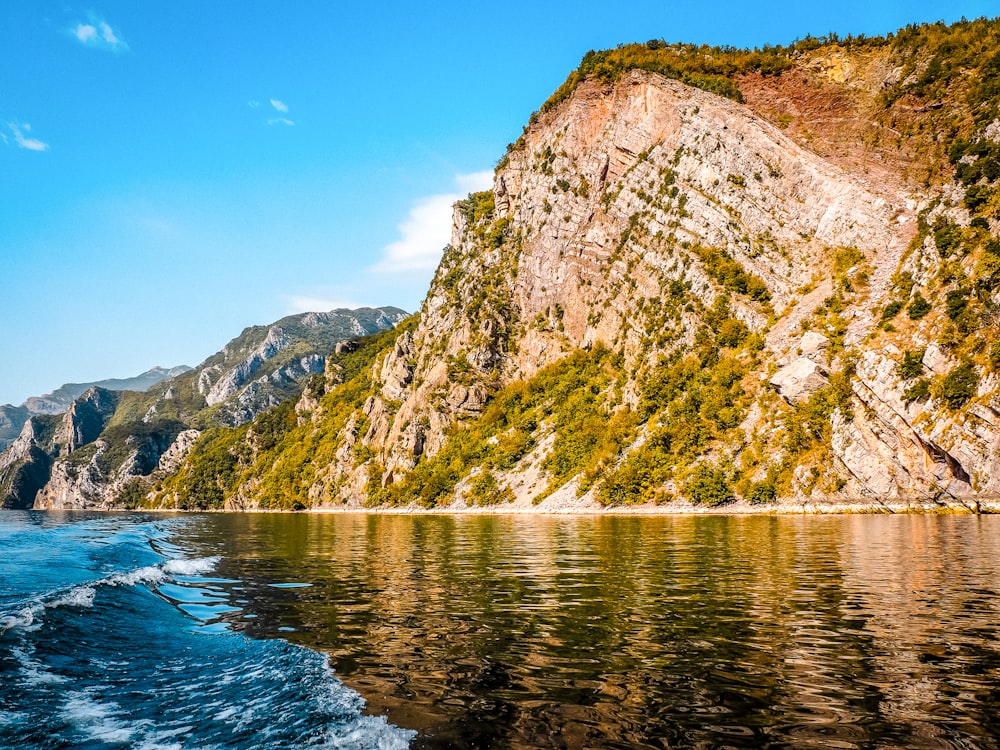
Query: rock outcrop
x,y
24,467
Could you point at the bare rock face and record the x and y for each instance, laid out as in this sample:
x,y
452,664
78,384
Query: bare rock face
x,y
98,477
24,467
85,419
814,346
240,374
172,457
591,248
797,381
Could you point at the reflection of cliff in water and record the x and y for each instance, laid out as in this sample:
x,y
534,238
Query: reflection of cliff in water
x,y
520,631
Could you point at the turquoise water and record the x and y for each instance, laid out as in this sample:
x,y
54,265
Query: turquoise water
x,y
361,631
110,637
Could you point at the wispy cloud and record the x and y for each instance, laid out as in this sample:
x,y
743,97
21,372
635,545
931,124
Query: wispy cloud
x,y
427,228
98,34
474,181
22,139
279,106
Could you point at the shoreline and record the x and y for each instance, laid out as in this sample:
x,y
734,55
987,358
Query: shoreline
x,y
982,507
972,507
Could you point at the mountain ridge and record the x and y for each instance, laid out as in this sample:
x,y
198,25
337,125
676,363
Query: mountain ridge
x,y
12,418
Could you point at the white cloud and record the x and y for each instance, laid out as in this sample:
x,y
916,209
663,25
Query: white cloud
x,y
281,121
253,104
86,33
305,303
279,105
423,235
475,182
427,229
22,140
99,35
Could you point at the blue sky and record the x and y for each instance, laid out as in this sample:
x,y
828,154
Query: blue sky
x,y
173,172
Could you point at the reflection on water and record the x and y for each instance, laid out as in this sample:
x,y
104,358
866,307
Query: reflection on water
x,y
524,632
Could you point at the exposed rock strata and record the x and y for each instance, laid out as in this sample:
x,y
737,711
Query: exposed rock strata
x,y
593,249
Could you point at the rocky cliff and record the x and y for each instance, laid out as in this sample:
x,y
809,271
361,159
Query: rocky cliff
x,y
702,276
25,466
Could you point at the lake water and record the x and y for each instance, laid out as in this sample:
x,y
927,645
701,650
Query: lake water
x,y
268,631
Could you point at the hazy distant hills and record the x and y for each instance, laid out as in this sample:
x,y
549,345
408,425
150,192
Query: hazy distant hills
x,y
12,418
59,400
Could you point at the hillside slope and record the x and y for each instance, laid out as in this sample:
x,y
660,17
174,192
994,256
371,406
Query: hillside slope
x,y
701,276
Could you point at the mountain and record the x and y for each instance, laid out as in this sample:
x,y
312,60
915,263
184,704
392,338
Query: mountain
x,y
12,418
703,276
94,455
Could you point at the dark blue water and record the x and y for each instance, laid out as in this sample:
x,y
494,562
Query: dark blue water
x,y
112,636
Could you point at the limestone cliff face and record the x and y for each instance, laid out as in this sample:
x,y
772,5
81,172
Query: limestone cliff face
x,y
626,191
26,465
99,480
85,419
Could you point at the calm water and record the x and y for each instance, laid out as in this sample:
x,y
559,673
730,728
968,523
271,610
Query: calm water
x,y
508,632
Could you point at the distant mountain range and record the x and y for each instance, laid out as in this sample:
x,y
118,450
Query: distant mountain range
x,y
86,445
12,418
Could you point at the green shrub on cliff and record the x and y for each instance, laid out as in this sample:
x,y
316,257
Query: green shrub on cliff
x,y
957,387
709,485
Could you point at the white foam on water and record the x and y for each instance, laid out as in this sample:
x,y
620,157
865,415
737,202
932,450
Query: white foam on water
x,y
97,720
190,567
227,713
82,596
369,732
29,618
152,574
24,619
159,740
33,673
12,718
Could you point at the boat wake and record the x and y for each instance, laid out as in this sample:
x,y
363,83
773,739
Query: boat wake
x,y
141,658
